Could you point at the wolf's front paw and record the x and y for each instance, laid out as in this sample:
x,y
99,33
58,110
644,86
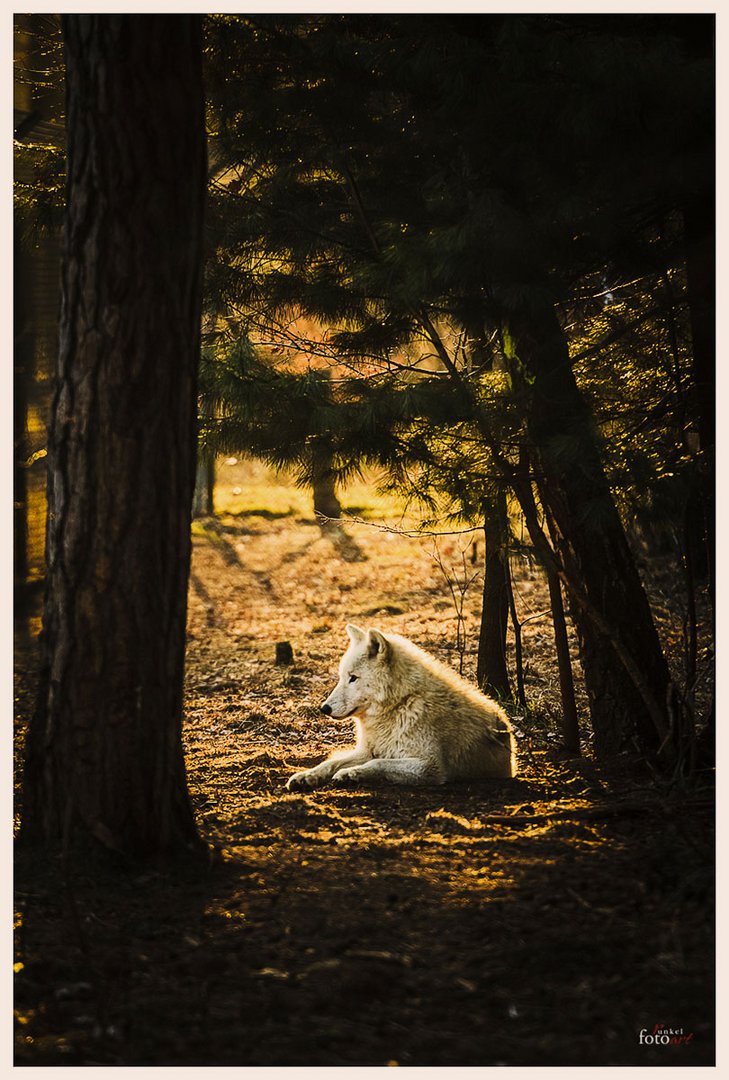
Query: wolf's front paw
x,y
301,781
346,777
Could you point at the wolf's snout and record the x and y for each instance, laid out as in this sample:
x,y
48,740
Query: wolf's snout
x,y
326,709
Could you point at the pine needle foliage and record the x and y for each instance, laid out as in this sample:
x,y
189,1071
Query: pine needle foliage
x,y
412,430
392,175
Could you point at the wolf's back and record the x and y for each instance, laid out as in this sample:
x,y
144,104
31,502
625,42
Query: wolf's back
x,y
472,729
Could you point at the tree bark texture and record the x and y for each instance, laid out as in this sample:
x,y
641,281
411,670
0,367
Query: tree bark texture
x,y
491,670
104,749
592,541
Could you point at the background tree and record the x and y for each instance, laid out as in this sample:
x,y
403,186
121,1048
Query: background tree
x,y
104,756
39,164
491,670
407,180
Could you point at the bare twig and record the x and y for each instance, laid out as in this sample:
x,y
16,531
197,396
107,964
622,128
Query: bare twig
x,y
458,588
410,534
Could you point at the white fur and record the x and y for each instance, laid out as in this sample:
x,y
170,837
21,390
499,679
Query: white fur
x,y
416,720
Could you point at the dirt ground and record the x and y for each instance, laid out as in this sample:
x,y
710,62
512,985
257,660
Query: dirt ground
x,y
540,921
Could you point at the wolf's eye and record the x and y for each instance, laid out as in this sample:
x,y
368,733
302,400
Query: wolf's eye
x,y
353,678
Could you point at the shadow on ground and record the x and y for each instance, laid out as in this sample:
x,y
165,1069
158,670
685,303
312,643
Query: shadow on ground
x,y
362,928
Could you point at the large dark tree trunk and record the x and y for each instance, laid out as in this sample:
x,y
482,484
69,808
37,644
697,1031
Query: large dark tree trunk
x,y
104,749
491,670
592,545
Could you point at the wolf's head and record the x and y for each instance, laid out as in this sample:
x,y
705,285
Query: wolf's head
x,y
362,674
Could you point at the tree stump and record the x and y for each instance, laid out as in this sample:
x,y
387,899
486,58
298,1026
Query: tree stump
x,y
284,654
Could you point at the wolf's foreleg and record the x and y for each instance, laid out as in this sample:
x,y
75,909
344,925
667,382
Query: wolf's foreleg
x,y
320,774
405,770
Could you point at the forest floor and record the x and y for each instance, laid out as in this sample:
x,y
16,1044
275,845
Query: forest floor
x,y
540,921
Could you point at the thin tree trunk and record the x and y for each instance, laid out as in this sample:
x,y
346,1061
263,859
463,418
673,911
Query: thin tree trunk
x,y
700,229
203,499
574,489
22,361
518,651
691,620
203,503
700,236
577,594
569,724
326,502
491,670
104,755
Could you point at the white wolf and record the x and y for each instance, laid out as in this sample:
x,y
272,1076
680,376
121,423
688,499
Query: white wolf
x,y
417,721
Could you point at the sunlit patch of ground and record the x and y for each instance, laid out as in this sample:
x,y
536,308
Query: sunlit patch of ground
x,y
543,920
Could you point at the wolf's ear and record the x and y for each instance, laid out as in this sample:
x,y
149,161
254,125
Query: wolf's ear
x,y
354,632
377,645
